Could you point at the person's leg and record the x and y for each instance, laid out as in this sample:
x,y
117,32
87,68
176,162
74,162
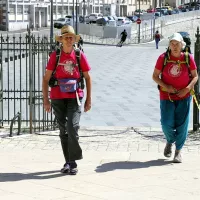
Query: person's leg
x,y
156,44
60,111
182,121
73,115
167,109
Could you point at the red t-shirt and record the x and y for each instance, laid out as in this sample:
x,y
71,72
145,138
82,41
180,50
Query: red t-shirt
x,y
174,75
66,68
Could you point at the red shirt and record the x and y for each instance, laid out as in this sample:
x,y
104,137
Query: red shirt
x,y
66,69
157,36
174,75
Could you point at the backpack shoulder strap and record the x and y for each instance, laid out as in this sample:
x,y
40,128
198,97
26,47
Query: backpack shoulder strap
x,y
78,57
166,57
58,53
187,58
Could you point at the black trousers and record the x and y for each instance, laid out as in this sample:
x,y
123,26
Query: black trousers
x,y
67,113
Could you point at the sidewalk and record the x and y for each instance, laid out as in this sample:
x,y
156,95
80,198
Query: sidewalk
x,y
119,163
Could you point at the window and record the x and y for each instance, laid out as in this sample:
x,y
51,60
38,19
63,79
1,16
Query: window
x,y
60,9
54,9
12,9
26,10
65,10
19,10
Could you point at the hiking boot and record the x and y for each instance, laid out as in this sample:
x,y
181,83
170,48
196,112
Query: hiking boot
x,y
177,157
73,168
168,150
66,168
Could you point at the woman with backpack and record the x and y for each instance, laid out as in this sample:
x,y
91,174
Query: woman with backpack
x,y
67,93
157,38
175,78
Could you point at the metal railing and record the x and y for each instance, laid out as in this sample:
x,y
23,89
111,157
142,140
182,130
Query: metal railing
x,y
196,87
22,64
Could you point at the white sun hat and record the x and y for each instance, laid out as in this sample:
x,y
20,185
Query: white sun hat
x,y
177,37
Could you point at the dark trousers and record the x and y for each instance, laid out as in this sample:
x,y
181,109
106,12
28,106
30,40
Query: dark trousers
x,y
67,113
157,41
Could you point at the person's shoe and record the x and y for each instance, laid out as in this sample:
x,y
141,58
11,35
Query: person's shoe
x,y
177,157
66,168
73,168
168,150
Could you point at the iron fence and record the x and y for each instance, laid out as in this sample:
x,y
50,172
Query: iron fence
x,y
22,65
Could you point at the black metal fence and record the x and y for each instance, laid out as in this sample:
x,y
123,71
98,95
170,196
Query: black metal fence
x,y
196,124
22,65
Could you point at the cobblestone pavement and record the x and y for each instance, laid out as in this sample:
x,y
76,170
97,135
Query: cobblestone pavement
x,y
118,164
110,139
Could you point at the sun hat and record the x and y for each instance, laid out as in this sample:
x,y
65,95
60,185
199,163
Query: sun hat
x,y
67,31
177,37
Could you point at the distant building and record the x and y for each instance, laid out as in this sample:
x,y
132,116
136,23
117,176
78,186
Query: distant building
x,y
18,14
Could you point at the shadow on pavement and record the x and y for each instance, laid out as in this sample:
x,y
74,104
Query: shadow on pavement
x,y
131,165
11,177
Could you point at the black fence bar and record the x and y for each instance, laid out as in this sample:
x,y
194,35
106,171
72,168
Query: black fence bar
x,y
196,87
1,84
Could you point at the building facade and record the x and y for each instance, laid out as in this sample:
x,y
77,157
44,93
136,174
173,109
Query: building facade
x,y
18,14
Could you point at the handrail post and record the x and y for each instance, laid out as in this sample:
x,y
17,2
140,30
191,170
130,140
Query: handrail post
x,y
196,87
17,116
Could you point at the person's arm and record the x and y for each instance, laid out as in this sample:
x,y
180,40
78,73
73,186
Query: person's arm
x,y
45,90
156,78
88,81
194,75
194,78
184,91
45,81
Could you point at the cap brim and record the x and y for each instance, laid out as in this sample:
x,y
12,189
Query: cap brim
x,y
59,37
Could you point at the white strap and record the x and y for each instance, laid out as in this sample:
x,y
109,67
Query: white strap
x,y
78,100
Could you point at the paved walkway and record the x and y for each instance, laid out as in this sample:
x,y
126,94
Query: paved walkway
x,y
118,164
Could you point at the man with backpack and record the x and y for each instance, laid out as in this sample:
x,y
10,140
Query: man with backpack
x,y
65,71
123,38
176,74
157,38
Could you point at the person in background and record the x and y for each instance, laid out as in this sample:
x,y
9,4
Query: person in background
x,y
157,39
123,38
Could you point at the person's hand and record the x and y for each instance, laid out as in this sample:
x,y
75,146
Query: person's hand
x,y
181,93
47,105
171,89
87,105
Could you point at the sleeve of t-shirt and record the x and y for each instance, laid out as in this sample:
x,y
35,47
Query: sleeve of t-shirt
x,y
52,62
193,65
160,62
84,63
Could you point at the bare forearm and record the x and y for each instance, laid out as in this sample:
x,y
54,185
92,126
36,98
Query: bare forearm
x,y
159,81
192,83
45,89
88,87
